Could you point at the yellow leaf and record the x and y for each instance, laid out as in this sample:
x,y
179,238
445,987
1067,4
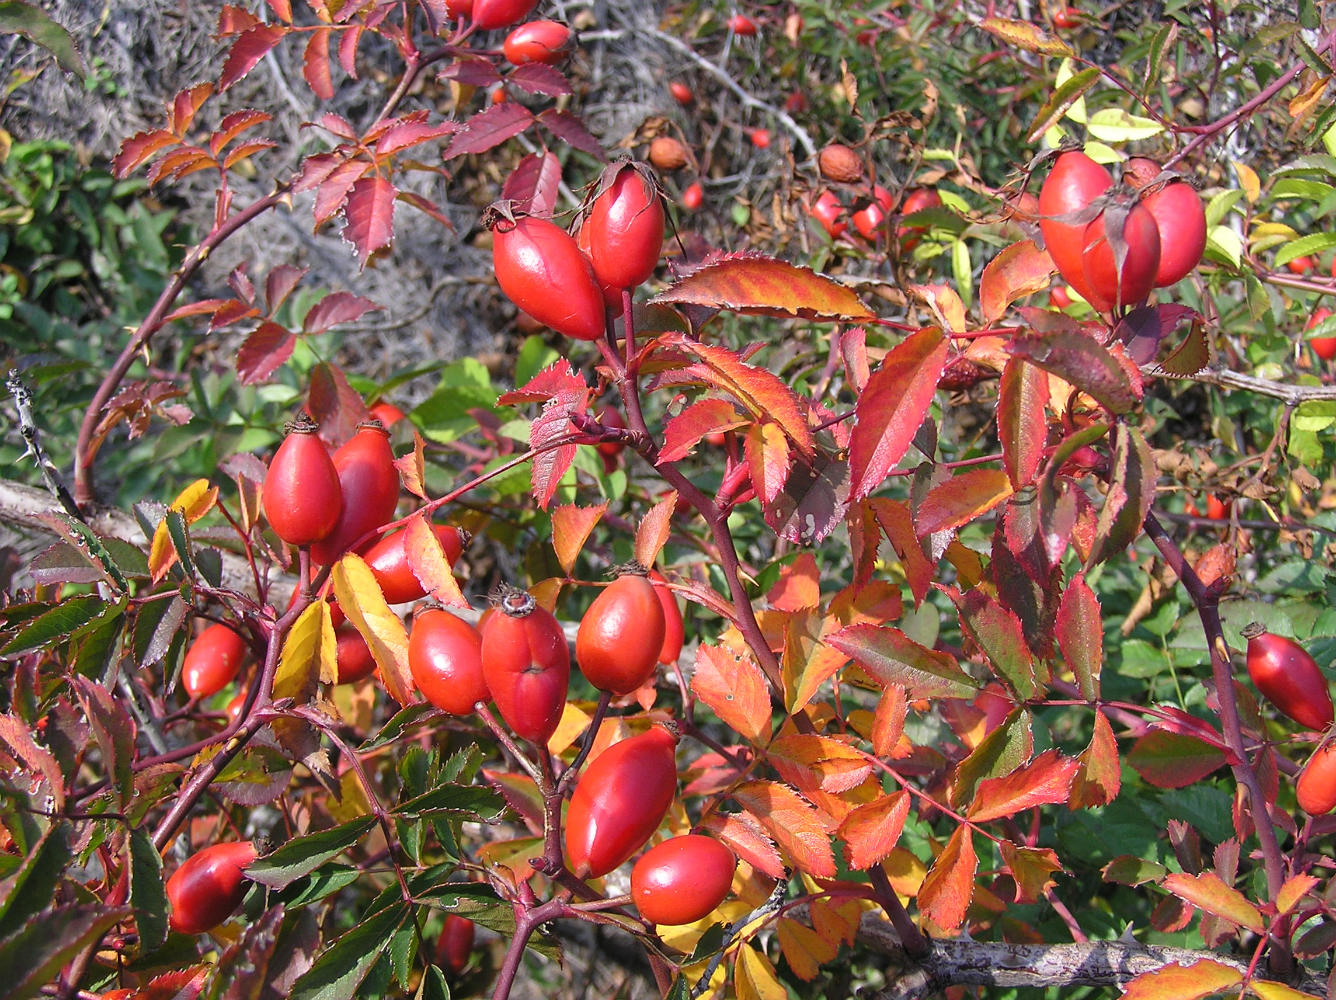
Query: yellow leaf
x,y
352,802
1249,183
1116,125
193,503
1268,990
1209,892
428,562
308,655
754,977
905,872
1294,890
573,722
1303,104
362,601
804,949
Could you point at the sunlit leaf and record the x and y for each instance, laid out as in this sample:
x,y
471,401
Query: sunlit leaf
x,y
760,285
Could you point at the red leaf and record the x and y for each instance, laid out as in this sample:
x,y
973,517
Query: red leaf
x,y
315,64
370,215
534,184
1173,760
1021,425
792,822
245,151
335,309
654,528
734,687
233,125
961,499
1130,495
870,831
1019,270
1099,777
571,130
898,526
683,432
538,78
1046,779
889,656
1106,373
249,48
744,835
764,395
279,284
338,126
550,464
235,20
411,131
556,380
185,106
1080,634
263,351
488,129
948,887
892,407
471,72
332,192
334,404
427,560
140,147
764,286
348,47
180,163
997,632
231,312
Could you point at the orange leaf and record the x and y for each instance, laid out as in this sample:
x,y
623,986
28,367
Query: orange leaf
x,y
804,949
764,395
807,662
897,525
744,835
1209,892
412,468
571,526
871,831
1046,779
653,530
429,563
767,451
961,499
798,586
1019,270
361,599
734,687
1293,891
683,432
815,763
891,657
891,408
1031,868
1021,424
836,919
948,887
1183,982
1099,777
888,722
792,822
752,283
192,503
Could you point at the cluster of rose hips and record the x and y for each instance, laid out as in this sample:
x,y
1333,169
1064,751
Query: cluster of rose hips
x,y
1114,243
868,210
1289,677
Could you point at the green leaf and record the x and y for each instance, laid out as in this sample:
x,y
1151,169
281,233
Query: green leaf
x,y
1000,752
403,721
180,535
303,855
148,893
1063,98
339,972
403,946
481,804
60,621
33,888
1312,244
319,884
433,985
34,24
31,957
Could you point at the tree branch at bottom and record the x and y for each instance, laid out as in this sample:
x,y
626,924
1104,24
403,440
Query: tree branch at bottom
x,y
963,962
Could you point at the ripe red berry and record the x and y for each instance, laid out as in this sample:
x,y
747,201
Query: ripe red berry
x,y
212,661
1323,347
1074,182
625,226
541,269
1300,265
682,879
681,92
1316,787
620,636
526,665
915,201
828,211
1114,285
455,944
352,655
370,486
620,801
489,14
1289,677
208,887
388,560
445,656
760,138
1059,297
301,494
693,197
537,41
673,634
387,413
1067,18
741,24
